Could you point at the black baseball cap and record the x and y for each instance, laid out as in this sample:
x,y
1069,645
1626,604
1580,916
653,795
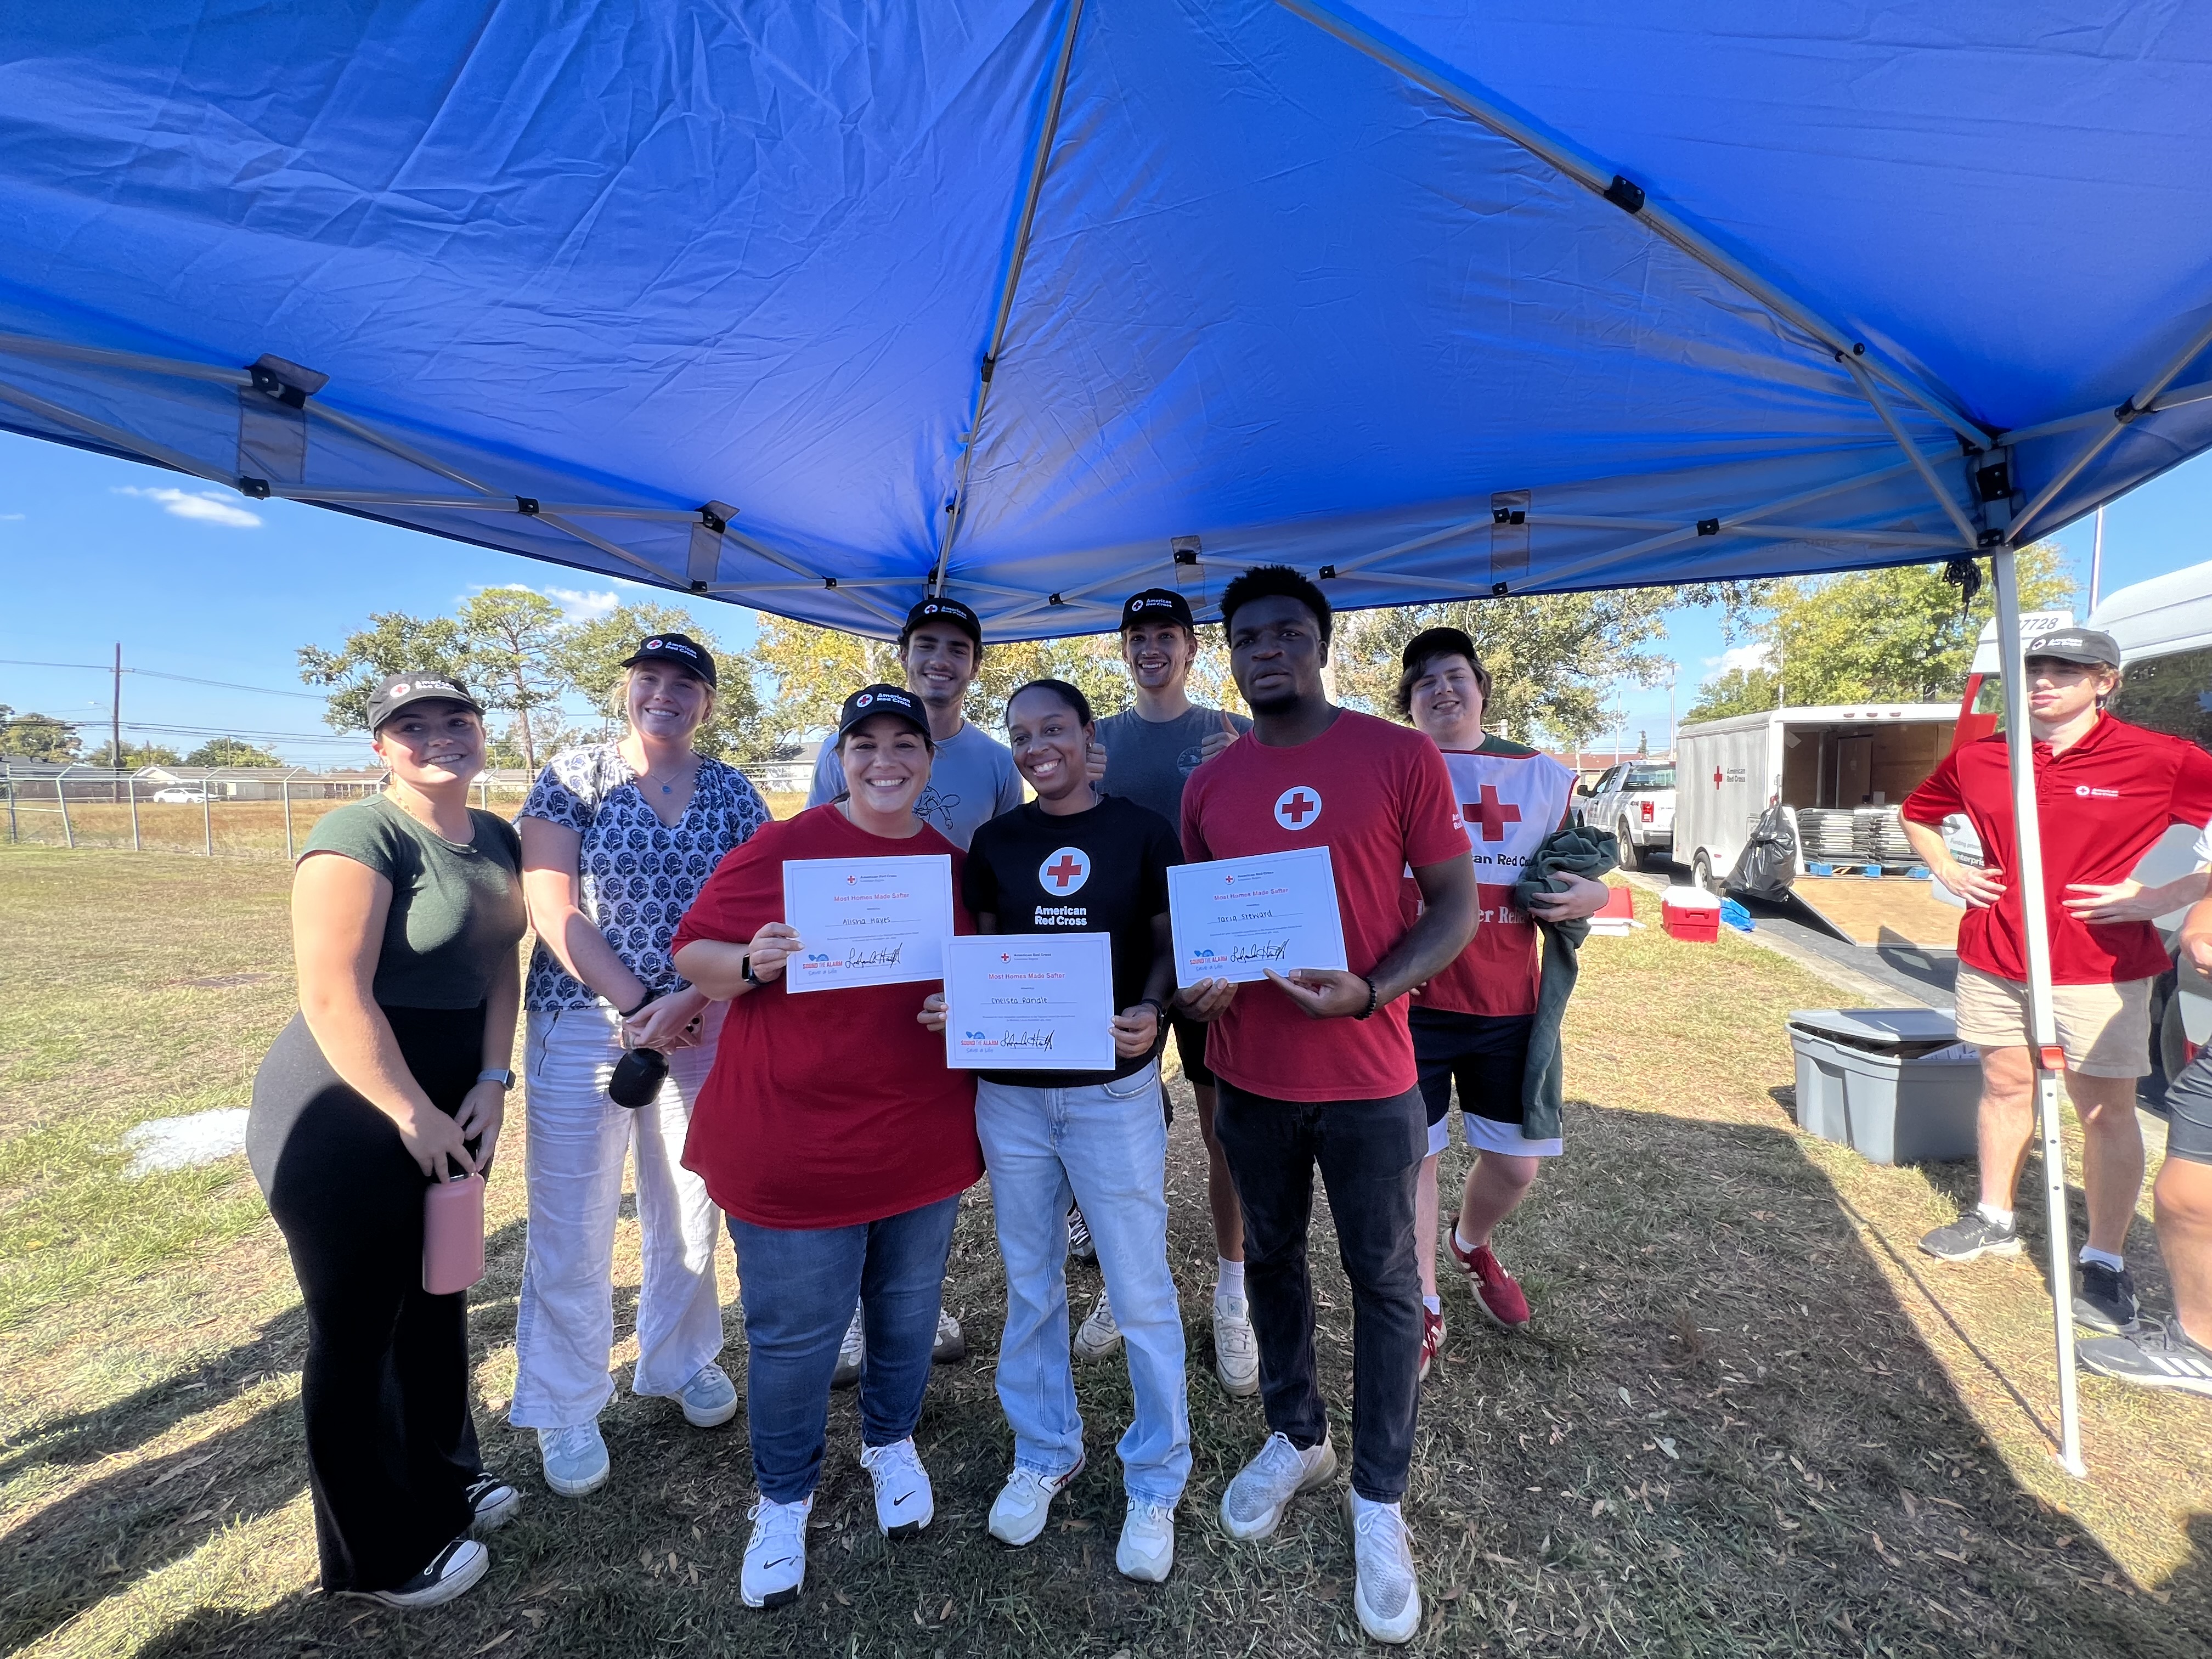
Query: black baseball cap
x,y
940,610
397,691
1439,642
2082,644
1157,605
678,650
873,700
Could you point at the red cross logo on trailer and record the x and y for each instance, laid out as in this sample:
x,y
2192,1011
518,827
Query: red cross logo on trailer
x,y
1716,777
1064,872
1297,807
1492,814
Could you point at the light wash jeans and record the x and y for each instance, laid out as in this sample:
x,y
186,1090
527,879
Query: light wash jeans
x,y
1105,1146
577,1144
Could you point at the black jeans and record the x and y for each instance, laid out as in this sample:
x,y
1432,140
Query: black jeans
x,y
1369,1153
385,1390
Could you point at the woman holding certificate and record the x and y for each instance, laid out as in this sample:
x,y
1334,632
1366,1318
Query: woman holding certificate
x,y
830,1128
1074,861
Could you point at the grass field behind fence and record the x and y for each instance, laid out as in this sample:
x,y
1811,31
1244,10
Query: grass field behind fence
x,y
1748,1419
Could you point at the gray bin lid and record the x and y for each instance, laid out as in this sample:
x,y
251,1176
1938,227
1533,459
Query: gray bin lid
x,y
1877,1027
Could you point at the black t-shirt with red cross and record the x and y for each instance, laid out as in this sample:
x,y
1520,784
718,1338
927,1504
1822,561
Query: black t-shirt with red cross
x,y
1103,871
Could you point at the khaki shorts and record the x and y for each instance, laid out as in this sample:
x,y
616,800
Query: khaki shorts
x,y
2104,1028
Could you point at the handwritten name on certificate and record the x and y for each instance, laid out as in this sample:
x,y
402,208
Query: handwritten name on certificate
x,y
1234,918
1030,1002
867,921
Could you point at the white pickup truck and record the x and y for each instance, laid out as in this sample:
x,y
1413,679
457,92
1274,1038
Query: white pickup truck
x,y
1636,801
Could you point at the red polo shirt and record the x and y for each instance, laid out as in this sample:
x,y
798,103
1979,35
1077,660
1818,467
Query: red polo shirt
x,y
2100,805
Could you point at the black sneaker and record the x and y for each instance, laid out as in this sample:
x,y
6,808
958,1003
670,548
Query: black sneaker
x,y
1079,1244
1972,1235
452,1572
2106,1300
492,1502
2162,1357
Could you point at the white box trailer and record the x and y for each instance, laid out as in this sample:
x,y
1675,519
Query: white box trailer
x,y
1728,772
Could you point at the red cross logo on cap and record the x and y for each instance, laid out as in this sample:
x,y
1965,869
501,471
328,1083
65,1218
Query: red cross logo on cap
x,y
1064,872
1492,814
1297,807
653,644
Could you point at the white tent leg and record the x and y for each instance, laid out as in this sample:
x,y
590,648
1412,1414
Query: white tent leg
x,y
2043,1025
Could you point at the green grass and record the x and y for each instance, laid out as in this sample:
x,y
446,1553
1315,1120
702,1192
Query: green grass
x,y
1740,1426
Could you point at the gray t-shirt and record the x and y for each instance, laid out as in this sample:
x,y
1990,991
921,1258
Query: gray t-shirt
x,y
1149,761
971,779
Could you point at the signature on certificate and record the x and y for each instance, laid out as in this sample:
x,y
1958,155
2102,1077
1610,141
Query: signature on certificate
x,y
1265,949
1034,1042
882,955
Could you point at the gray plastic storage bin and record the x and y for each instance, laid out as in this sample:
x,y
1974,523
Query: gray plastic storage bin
x,y
1891,1084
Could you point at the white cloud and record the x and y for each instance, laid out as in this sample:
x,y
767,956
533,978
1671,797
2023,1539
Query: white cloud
x,y
10,518
583,606
206,506
1743,656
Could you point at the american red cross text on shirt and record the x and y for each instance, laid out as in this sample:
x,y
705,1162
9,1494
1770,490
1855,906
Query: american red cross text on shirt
x,y
1065,871
1298,806
1490,812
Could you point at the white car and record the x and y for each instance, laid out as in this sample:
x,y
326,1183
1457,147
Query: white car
x,y
1636,801
180,797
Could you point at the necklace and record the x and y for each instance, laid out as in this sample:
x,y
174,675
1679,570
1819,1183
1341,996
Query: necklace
x,y
670,788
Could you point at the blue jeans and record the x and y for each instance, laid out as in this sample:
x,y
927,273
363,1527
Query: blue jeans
x,y
799,1286
1105,1146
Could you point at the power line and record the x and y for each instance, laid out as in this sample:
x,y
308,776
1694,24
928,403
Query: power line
x,y
155,674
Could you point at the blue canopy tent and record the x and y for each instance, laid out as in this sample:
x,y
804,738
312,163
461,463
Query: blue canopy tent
x,y
820,308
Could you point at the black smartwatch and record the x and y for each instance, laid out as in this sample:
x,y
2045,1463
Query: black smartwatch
x,y
643,1002
746,969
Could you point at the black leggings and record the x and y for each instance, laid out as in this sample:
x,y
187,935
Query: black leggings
x,y
391,1446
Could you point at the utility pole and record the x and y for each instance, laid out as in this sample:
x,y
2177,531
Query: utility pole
x,y
115,704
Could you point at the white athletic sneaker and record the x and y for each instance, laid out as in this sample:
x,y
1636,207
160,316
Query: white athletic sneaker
x,y
1253,1504
709,1399
850,1352
1147,1551
1236,1349
904,1503
1388,1599
1018,1512
951,1348
1098,1337
776,1554
575,1458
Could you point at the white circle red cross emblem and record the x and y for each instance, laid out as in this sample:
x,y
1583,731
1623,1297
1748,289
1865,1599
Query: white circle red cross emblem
x,y
1297,807
1064,871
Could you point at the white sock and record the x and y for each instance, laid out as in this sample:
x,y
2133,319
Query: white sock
x,y
1228,1278
1435,1304
1994,1216
1361,1505
2103,1259
1459,1239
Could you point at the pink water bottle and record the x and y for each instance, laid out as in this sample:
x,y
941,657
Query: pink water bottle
x,y
453,1235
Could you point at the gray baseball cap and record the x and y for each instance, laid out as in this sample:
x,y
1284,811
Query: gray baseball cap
x,y
2082,645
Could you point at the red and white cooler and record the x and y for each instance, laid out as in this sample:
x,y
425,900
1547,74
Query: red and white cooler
x,y
1692,914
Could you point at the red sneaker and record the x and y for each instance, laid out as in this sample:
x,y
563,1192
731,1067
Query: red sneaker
x,y
1497,1292
1432,1339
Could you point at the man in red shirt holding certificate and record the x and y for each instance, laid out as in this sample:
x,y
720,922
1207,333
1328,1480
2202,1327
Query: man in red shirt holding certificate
x,y
1315,1066
2105,792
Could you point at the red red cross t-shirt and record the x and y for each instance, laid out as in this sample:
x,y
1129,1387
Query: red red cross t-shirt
x,y
2100,805
1378,797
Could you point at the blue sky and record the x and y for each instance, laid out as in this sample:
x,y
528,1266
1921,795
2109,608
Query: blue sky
x,y
204,584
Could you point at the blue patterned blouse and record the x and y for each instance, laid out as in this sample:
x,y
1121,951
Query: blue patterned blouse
x,y
639,875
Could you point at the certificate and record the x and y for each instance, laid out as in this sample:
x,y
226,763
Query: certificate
x,y
867,921
1235,918
1030,1002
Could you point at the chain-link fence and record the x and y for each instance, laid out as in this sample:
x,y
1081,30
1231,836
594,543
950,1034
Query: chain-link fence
x,y
266,811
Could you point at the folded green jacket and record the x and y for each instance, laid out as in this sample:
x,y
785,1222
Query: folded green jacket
x,y
1569,852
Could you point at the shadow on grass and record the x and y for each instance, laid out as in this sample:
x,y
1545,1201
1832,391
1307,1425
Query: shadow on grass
x,y
1722,1437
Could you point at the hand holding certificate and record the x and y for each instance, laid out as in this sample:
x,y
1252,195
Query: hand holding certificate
x,y
867,921
1236,919
1030,1002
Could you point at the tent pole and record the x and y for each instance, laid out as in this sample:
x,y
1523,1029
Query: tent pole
x,y
2043,1049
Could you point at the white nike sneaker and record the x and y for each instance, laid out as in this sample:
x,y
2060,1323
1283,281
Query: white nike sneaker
x,y
1388,1599
1098,1337
776,1554
1147,1551
1019,1511
1236,1348
850,1352
1253,1504
904,1503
